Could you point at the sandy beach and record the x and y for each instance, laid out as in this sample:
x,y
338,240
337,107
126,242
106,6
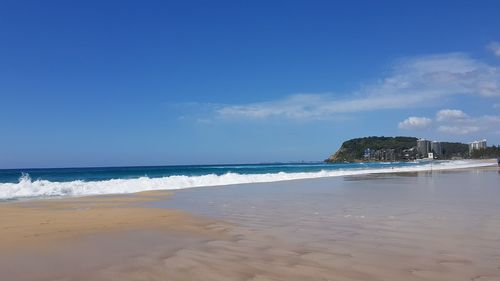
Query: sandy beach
x,y
249,140
408,226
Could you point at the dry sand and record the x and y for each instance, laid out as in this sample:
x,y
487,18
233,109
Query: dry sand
x,y
41,222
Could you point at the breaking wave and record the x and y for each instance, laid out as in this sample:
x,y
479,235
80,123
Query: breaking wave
x,y
26,187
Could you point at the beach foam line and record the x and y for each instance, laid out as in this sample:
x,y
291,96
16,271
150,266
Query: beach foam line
x,y
28,188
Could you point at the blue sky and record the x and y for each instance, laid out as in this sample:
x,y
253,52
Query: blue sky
x,y
98,83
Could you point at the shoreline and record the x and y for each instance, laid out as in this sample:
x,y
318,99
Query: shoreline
x,y
82,189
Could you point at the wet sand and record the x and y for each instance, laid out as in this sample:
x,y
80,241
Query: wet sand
x,y
409,226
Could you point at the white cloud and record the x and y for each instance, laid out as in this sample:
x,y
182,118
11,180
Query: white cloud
x,y
495,48
415,82
450,114
415,123
456,122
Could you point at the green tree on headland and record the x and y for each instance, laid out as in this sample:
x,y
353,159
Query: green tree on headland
x,y
485,153
455,149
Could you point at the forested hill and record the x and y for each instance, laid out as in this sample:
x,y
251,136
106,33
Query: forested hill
x,y
354,150
391,149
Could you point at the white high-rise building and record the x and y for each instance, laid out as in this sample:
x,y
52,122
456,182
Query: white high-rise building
x,y
480,144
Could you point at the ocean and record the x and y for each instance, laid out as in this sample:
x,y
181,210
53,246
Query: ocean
x,y
57,182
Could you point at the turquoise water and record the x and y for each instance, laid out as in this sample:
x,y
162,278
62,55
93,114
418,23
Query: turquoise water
x,y
108,173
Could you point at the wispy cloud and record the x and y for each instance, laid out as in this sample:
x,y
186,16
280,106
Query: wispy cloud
x,y
315,106
495,48
413,82
458,130
415,123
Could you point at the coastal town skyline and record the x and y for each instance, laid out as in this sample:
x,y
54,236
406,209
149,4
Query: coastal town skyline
x,y
409,149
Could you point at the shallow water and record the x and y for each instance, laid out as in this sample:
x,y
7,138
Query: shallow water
x,y
450,196
413,226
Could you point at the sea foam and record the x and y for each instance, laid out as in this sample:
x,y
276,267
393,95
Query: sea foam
x,y
28,188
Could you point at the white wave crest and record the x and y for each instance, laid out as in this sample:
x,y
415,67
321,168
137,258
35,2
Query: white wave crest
x,y
26,187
